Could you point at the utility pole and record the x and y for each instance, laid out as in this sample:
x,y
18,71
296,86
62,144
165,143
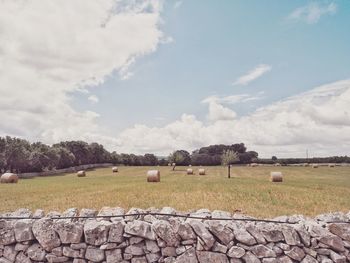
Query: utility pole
x,y
229,171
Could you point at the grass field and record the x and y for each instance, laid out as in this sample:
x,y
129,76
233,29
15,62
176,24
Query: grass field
x,y
305,190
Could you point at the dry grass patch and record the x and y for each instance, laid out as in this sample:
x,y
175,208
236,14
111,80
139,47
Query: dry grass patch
x,y
304,190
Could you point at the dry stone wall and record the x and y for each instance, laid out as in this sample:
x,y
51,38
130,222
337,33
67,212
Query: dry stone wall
x,y
169,239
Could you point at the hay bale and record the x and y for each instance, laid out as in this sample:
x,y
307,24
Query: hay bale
x,y
277,164
331,165
201,171
169,164
9,178
276,177
305,164
315,165
81,173
190,165
153,176
254,164
115,169
173,164
189,171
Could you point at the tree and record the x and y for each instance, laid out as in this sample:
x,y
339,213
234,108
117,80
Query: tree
x,y
180,157
150,159
274,158
229,157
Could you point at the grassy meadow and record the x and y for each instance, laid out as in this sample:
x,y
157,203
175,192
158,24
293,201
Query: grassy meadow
x,y
305,190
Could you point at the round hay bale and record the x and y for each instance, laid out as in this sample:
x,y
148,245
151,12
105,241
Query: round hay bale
x,y
169,164
173,164
315,165
81,173
254,165
153,176
9,178
189,171
331,165
277,164
201,171
305,164
115,169
276,177
190,165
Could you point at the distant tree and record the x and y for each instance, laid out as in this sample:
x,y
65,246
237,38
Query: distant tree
x,y
150,159
180,157
65,157
16,153
229,157
274,158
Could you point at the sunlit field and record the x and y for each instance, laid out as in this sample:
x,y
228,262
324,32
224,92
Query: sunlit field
x,y
304,190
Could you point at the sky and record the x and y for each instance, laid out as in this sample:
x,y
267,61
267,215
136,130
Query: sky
x,y
156,76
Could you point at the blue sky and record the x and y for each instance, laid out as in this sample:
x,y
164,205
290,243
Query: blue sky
x,y
213,44
161,74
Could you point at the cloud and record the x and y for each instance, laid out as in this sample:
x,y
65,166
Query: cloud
x,y
93,99
233,99
50,49
312,12
177,4
318,120
253,74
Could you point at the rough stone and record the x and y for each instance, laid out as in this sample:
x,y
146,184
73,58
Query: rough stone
x,y
262,251
202,232
23,230
10,253
219,229
114,255
340,229
94,254
251,258
69,232
244,237
188,257
308,259
96,232
296,253
141,229
7,234
165,231
36,252
236,252
211,257
333,242
43,230
116,232
186,232
21,258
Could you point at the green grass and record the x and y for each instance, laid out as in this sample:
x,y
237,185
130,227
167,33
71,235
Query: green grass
x,y
305,190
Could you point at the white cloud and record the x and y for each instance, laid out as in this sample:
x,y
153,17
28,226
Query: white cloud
x,y
318,120
177,4
257,72
312,12
49,49
93,99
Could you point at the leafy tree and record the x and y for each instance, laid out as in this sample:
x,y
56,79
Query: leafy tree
x,y
229,157
150,159
180,157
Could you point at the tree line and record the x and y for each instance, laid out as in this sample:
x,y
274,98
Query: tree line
x,y
19,155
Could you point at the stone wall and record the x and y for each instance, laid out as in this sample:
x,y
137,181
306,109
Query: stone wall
x,y
167,238
65,170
